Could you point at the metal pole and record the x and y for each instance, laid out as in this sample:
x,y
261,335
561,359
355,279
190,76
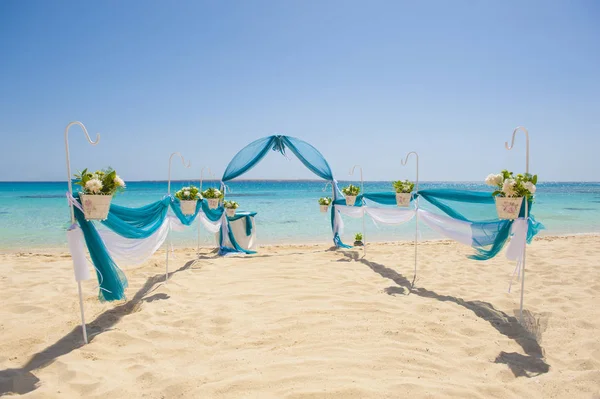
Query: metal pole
x,y
198,221
169,192
362,189
526,211
83,329
403,162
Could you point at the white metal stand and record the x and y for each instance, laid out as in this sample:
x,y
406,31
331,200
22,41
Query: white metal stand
x,y
510,147
362,189
198,219
403,162
85,338
169,192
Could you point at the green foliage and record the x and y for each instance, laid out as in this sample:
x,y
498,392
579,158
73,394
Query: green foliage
x,y
358,237
403,186
509,185
231,204
188,194
325,201
100,182
351,190
212,193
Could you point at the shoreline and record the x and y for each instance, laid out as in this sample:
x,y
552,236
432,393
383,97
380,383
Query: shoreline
x,y
61,251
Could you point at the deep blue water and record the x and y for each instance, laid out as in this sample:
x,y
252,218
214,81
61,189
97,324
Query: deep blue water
x,y
36,215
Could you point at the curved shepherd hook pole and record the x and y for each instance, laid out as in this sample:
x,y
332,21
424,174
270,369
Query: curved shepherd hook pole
x,y
89,139
362,189
201,181
512,144
169,192
182,161
404,162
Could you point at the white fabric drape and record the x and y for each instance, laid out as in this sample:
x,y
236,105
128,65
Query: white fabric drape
x,y
454,229
379,215
238,228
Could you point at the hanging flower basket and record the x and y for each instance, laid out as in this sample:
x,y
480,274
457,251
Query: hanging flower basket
x,y
350,192
188,207
230,212
95,207
403,199
350,200
508,207
324,203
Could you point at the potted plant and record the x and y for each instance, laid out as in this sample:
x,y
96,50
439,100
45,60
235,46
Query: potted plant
x,y
510,192
188,198
324,202
230,207
98,189
403,192
213,196
358,240
351,192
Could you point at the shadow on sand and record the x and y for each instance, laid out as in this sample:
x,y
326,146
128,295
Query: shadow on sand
x,y
528,365
21,380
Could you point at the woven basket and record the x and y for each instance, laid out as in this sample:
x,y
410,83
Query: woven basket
x,y
230,212
324,208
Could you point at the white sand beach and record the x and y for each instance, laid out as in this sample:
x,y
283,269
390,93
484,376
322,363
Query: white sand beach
x,y
305,321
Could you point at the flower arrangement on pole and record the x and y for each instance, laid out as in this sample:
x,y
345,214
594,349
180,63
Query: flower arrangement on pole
x,y
97,191
324,203
350,192
188,198
510,192
213,196
403,192
230,207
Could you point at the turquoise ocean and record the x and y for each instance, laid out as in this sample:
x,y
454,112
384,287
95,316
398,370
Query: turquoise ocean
x,y
35,215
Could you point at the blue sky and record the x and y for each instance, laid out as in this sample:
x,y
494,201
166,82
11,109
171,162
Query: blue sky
x,y
364,82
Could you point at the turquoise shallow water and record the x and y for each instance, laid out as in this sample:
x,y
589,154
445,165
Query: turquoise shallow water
x,y
36,215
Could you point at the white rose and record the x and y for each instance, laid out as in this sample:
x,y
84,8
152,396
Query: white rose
x,y
499,179
119,182
509,187
186,193
93,186
530,186
490,180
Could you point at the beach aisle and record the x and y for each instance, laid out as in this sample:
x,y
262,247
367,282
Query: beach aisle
x,y
307,322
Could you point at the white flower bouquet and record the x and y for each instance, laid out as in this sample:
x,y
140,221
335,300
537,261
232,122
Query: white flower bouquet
x,y
510,191
188,198
97,191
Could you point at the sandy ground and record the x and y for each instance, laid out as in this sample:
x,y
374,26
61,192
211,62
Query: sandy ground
x,y
309,322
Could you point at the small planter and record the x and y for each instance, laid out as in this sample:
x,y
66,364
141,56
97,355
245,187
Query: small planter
x,y
213,203
95,207
403,199
230,212
324,208
358,243
508,208
350,200
188,207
